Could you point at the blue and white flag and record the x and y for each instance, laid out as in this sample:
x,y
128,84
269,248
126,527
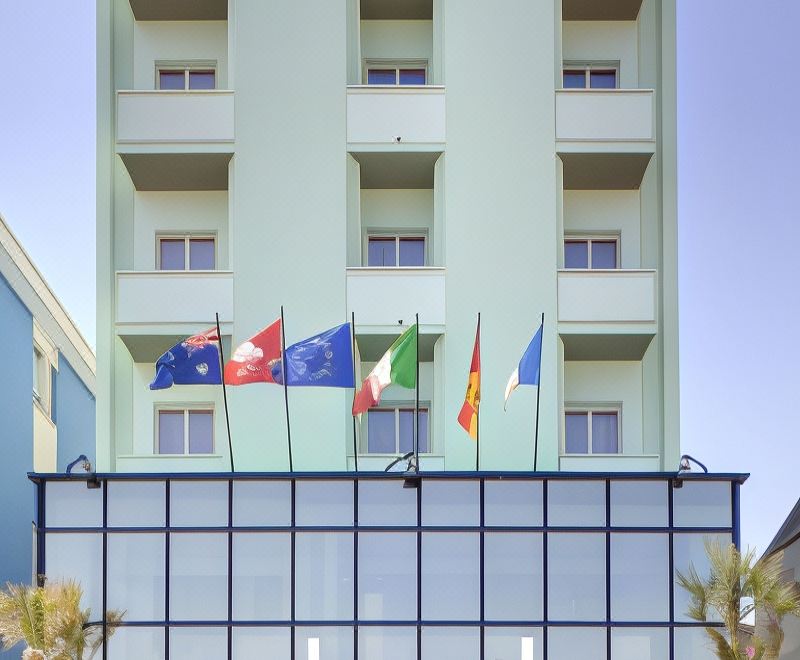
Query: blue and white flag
x,y
325,360
193,361
528,371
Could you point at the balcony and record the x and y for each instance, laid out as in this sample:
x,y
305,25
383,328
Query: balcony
x,y
179,10
378,115
608,10
154,309
605,138
607,314
172,140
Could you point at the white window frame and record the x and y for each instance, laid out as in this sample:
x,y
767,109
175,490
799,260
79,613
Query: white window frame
x,y
187,239
43,371
588,66
387,64
396,235
589,239
186,66
185,409
397,406
588,410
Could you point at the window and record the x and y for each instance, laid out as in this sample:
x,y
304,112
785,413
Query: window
x,y
41,382
592,431
591,75
391,430
385,251
591,252
396,72
186,76
185,431
174,250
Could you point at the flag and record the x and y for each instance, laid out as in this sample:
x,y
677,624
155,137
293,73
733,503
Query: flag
x,y
468,417
527,373
253,360
193,361
398,366
325,360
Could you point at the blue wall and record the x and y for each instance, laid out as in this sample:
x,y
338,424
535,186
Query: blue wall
x,y
74,416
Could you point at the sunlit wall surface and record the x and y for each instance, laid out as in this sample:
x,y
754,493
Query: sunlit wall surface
x,y
334,566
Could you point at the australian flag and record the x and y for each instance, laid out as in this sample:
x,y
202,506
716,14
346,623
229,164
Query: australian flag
x,y
325,360
193,361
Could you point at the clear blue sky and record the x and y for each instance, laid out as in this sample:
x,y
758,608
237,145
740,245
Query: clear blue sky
x,y
738,142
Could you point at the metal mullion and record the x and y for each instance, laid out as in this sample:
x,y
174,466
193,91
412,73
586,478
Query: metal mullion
x,y
671,551
293,544
166,567
608,568
397,427
185,421
419,570
105,571
230,569
355,569
482,572
544,568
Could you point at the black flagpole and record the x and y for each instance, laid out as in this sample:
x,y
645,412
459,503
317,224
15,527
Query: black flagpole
x,y
477,409
538,391
353,349
224,392
416,400
285,372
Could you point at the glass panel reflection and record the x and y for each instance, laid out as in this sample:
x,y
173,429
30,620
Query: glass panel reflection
x,y
198,503
450,576
78,557
450,502
136,503
693,644
441,643
324,643
640,644
513,643
249,643
135,643
387,643
262,503
324,576
702,504
198,582
327,503
576,585
576,503
640,577
387,576
512,503
198,643
513,577
261,577
583,643
72,504
576,253
136,575
639,503
689,549
386,502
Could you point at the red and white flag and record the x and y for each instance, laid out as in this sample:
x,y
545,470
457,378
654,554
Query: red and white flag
x,y
253,360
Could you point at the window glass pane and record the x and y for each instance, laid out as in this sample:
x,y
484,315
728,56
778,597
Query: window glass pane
x,y
381,431
640,577
576,578
381,77
513,577
136,503
576,503
689,550
324,502
198,643
170,431
201,432
201,80
412,76
577,433
603,79
261,576
441,643
583,643
386,502
702,504
512,503
576,254
605,438
249,643
199,503
450,576
172,257
387,643
136,581
387,576
513,643
640,644
134,643
604,254
639,503
198,581
693,644
324,576
201,254
450,502
72,504
381,251
412,252
323,643
78,557
574,79
171,80
407,431
262,503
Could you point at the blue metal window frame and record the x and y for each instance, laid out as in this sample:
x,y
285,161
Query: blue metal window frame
x,y
672,479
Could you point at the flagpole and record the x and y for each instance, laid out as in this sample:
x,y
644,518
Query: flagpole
x,y
353,349
416,403
538,391
224,392
477,411
285,373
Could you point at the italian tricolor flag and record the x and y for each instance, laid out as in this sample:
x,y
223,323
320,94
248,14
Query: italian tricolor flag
x,y
398,366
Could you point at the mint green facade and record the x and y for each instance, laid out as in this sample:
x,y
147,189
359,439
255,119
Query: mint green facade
x,y
292,162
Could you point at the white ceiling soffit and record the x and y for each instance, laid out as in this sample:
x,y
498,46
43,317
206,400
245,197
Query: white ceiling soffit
x,y
397,9
404,170
180,10
600,10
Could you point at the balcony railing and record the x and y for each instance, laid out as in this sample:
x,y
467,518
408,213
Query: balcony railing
x,y
605,115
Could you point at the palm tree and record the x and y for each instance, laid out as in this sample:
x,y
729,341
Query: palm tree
x,y
737,585
51,622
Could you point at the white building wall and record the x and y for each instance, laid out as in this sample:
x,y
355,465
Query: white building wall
x,y
397,210
397,39
604,40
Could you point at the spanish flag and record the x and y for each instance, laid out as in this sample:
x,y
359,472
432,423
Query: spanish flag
x,y
468,417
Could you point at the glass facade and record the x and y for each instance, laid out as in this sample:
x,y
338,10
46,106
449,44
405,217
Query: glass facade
x,y
516,566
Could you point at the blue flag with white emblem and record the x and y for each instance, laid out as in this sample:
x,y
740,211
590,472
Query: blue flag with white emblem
x,y
325,360
193,361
